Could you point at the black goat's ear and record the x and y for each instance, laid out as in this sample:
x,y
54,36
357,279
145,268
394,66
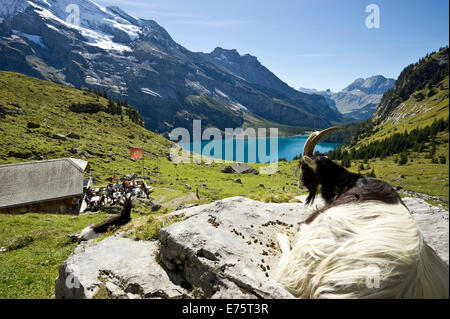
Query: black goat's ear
x,y
310,162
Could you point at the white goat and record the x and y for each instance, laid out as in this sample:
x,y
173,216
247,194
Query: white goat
x,y
363,244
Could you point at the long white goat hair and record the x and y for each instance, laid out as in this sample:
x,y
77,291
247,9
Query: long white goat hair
x,y
345,250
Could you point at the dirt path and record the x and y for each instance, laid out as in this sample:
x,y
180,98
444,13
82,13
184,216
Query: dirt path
x,y
187,198
424,196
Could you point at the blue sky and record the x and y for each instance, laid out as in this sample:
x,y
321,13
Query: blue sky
x,y
314,44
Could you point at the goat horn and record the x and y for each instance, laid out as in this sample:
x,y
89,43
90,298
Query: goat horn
x,y
315,137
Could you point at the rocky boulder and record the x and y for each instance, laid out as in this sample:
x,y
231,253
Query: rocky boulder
x,y
433,222
118,268
74,136
59,137
22,154
239,168
33,125
226,249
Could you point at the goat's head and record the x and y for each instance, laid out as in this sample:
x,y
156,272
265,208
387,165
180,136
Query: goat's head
x,y
317,169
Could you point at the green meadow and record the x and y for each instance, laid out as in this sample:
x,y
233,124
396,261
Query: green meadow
x,y
37,244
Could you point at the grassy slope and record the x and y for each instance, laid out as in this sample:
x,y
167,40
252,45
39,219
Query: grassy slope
x,y
420,174
413,113
30,272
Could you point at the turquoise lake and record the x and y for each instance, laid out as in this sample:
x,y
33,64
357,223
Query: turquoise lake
x,y
261,150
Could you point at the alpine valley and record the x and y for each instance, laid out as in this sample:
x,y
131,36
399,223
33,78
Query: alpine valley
x,y
360,99
137,60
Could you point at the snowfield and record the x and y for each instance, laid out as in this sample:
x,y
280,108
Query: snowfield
x,y
98,25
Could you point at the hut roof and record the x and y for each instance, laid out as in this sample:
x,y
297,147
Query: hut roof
x,y
34,182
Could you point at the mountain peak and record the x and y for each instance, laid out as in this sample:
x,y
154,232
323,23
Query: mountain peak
x,y
376,84
110,50
221,52
108,28
119,12
231,55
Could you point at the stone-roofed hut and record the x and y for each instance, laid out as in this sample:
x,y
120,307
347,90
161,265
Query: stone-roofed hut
x,y
51,186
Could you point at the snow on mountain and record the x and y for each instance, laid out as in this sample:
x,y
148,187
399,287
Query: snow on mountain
x,y
107,28
33,38
11,7
80,43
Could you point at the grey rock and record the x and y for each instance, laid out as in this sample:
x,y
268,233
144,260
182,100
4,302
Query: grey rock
x,y
33,125
125,268
226,249
59,137
74,136
7,111
20,154
184,206
433,222
423,196
85,155
220,247
239,168
156,207
219,244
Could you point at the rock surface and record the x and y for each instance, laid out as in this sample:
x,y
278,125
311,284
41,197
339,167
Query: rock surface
x,y
125,268
433,222
226,249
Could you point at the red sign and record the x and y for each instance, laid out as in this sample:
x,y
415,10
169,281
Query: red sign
x,y
136,153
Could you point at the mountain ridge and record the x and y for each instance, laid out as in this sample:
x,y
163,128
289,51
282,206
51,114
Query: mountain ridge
x,y
138,60
359,99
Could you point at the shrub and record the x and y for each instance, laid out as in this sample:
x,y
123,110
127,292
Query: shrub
x,y
403,159
442,159
371,174
361,167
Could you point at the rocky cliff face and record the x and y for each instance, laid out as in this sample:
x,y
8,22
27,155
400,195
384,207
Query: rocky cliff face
x,y
420,80
249,68
359,99
226,249
136,59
